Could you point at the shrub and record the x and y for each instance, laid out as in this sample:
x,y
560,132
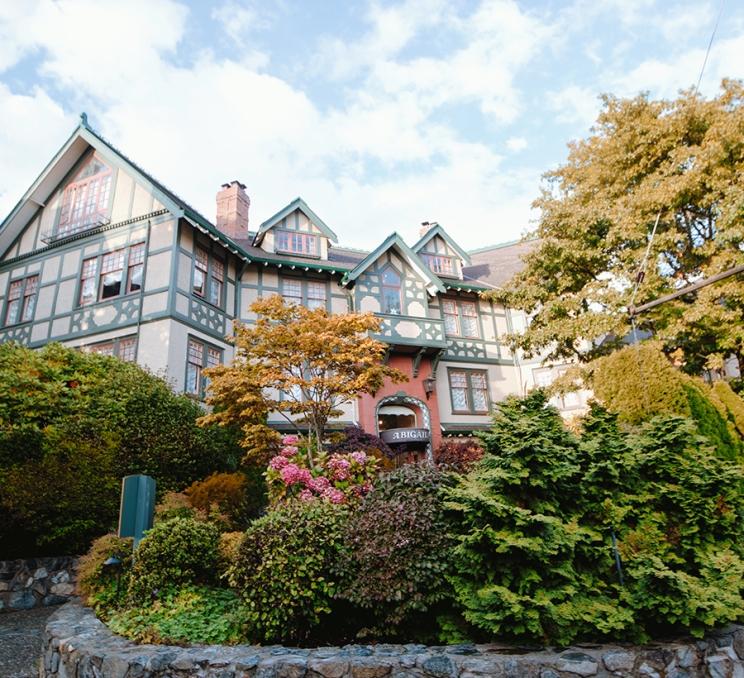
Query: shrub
x,y
285,571
95,583
356,439
458,454
228,549
337,478
74,423
522,563
733,403
175,505
397,554
190,614
173,553
639,383
224,493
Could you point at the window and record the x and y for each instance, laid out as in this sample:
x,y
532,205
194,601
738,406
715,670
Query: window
x,y
22,300
124,348
309,293
85,200
200,356
292,291
469,391
103,277
460,318
297,242
439,263
391,291
209,276
136,268
316,295
112,270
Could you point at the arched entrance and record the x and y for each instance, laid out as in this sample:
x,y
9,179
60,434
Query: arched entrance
x,y
404,423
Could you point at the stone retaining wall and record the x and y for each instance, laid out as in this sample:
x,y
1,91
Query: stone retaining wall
x,y
36,582
77,645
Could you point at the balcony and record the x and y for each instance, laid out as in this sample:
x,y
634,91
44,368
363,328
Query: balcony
x,y
50,237
411,333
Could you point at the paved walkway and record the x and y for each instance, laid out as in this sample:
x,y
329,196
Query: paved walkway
x,y
20,641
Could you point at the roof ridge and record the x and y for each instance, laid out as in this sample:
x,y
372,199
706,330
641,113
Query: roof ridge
x,y
501,245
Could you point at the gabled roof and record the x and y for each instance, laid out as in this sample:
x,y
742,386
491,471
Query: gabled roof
x,y
296,204
495,265
434,284
439,230
81,139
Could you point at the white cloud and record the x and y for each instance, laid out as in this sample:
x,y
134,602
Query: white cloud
x,y
516,143
240,19
575,105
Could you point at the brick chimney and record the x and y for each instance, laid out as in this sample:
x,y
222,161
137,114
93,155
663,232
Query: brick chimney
x,y
426,226
232,210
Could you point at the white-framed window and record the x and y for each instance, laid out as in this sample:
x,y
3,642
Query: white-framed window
x,y
469,391
112,274
441,264
208,279
310,293
124,348
296,242
200,356
460,318
85,200
21,300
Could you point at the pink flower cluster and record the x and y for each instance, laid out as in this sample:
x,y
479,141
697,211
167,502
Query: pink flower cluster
x,y
335,478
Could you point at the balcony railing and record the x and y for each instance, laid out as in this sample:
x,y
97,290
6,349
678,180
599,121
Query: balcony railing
x,y
411,330
49,237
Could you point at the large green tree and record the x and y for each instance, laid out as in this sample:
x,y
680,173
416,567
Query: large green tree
x,y
681,161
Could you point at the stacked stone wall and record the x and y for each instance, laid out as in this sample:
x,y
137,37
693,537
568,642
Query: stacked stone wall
x,y
37,582
77,645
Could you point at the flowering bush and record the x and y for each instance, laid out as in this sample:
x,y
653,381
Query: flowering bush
x,y
336,478
458,455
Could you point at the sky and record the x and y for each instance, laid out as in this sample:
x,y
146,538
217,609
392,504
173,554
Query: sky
x,y
379,114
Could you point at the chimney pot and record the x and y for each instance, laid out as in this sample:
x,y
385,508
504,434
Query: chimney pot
x,y
233,204
426,226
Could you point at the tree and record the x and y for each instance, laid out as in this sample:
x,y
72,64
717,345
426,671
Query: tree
x,y
680,160
71,425
302,363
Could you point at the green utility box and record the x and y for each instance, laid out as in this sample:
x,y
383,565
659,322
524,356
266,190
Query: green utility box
x,y
137,506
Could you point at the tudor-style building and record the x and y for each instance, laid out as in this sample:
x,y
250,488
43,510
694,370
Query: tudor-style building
x,y
99,255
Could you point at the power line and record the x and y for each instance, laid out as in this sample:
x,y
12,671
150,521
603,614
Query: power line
x,y
710,43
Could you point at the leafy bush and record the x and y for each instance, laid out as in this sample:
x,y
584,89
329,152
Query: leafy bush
x,y
639,383
356,439
226,493
285,571
536,517
458,454
173,553
733,403
74,423
227,549
398,552
96,583
190,614
175,505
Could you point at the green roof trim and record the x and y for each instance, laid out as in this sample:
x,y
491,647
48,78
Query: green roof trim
x,y
439,230
449,283
296,204
393,240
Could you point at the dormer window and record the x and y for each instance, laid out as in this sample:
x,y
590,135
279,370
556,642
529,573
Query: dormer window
x,y
440,263
391,291
297,242
85,202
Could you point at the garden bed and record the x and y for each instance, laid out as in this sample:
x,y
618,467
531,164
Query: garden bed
x,y
78,645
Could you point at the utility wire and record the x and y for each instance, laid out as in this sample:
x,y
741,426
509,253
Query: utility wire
x,y
710,44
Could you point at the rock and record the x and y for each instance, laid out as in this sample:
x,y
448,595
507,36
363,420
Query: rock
x,y
4,586
329,668
549,673
719,666
51,599
481,667
579,663
439,666
41,573
114,666
739,643
648,670
462,648
618,660
368,667
63,589
21,600
246,662
687,657
61,577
